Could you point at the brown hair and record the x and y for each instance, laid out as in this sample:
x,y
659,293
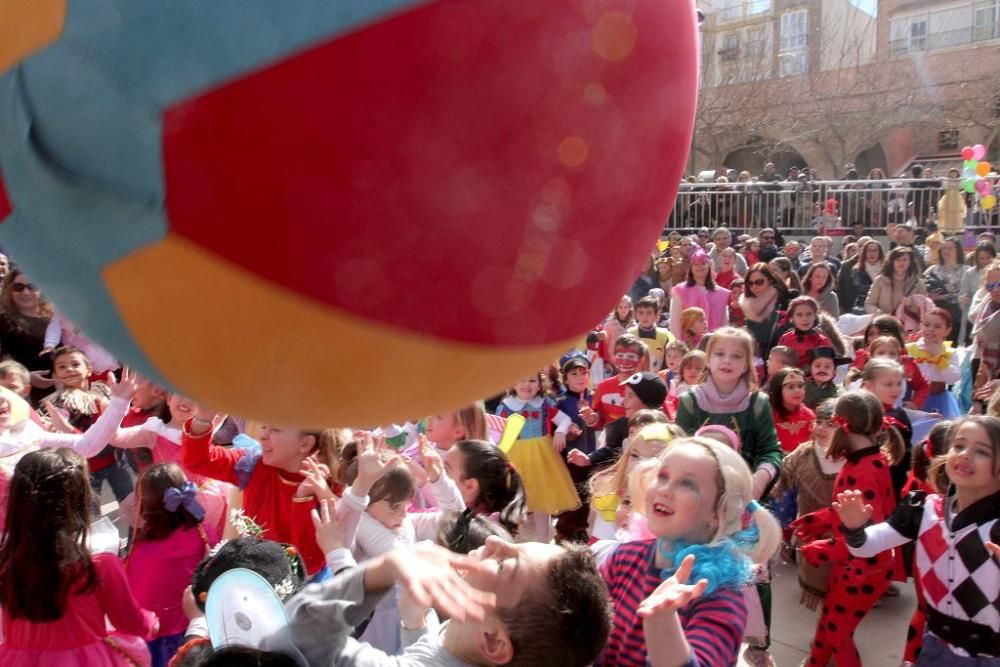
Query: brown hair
x,y
887,325
924,454
567,620
158,523
10,367
896,253
648,302
988,423
7,305
762,267
645,417
807,279
43,550
776,384
690,358
863,414
473,419
881,341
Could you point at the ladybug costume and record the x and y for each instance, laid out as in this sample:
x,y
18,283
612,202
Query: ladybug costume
x,y
855,583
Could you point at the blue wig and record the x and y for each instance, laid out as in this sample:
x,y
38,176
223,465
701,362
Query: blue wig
x,y
724,564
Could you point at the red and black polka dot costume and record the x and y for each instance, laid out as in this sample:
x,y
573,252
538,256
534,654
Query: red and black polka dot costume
x,y
855,584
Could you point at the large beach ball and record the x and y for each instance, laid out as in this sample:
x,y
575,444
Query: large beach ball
x,y
340,212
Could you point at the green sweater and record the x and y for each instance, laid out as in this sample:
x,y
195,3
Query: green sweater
x,y
754,426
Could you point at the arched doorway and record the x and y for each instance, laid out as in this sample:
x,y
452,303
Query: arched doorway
x,y
757,152
870,158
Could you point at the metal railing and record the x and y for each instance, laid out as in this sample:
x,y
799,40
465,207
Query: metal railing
x,y
812,204
944,39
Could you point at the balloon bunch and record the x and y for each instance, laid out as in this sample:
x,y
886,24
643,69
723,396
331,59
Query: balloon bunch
x,y
974,172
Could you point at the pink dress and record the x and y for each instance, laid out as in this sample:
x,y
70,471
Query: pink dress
x,y
160,570
90,623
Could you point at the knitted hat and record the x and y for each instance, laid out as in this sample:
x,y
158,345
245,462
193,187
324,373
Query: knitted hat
x,y
650,389
279,564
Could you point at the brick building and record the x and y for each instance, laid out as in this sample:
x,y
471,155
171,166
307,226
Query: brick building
x,y
820,83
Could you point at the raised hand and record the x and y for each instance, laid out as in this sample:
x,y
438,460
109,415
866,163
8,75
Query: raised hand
x,y
315,483
432,463
851,508
435,577
578,458
329,526
124,388
371,465
673,593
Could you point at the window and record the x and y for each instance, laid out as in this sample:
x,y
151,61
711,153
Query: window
x,y
756,49
793,58
986,24
734,10
918,36
730,50
948,140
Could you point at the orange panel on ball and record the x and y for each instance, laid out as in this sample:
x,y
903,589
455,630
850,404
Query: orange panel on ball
x,y
27,26
347,372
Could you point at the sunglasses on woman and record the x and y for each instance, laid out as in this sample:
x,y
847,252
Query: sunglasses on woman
x,y
20,287
757,282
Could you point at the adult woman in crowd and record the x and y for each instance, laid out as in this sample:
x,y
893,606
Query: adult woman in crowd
x,y
699,290
782,269
762,299
971,297
867,267
23,320
818,283
878,197
897,283
944,281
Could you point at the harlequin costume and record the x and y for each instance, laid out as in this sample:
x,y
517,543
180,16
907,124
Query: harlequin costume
x,y
855,583
941,370
803,341
547,482
268,493
959,577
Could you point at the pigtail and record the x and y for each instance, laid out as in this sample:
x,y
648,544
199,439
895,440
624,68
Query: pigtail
x,y
512,514
891,443
768,533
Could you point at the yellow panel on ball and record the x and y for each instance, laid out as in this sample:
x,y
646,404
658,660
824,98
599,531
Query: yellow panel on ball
x,y
335,370
27,26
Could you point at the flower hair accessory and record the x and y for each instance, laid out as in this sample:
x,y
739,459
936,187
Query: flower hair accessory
x,y
186,497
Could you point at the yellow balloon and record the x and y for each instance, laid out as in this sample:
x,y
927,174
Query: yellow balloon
x,y
989,201
983,168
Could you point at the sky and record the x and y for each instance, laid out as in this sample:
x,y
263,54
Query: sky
x,y
866,5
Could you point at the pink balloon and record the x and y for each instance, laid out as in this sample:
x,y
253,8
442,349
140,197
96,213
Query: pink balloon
x,y
978,152
983,187
967,153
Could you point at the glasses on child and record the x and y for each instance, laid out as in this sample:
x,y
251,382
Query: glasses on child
x,y
992,286
757,282
20,287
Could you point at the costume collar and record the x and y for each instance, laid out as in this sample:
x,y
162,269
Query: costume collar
x,y
941,360
978,513
515,403
854,457
646,333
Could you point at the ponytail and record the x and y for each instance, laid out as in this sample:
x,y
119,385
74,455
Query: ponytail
x,y
501,488
769,536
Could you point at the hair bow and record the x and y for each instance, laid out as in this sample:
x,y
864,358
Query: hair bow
x,y
698,256
841,422
889,421
184,497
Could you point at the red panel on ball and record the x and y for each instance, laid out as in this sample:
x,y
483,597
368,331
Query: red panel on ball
x,y
5,207
484,171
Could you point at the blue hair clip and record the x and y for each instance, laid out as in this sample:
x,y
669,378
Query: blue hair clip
x,y
753,506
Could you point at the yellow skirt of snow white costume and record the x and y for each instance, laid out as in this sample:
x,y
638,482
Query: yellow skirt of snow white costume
x,y
547,484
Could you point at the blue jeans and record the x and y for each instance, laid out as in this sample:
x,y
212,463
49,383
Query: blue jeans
x,y
934,652
117,476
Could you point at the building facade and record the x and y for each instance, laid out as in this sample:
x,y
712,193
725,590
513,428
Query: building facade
x,y
820,83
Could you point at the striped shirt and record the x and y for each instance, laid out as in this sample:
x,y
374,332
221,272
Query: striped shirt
x,y
713,625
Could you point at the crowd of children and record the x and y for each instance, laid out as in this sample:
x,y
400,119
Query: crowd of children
x,y
621,507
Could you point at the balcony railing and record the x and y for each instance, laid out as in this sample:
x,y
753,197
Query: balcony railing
x,y
944,39
808,205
